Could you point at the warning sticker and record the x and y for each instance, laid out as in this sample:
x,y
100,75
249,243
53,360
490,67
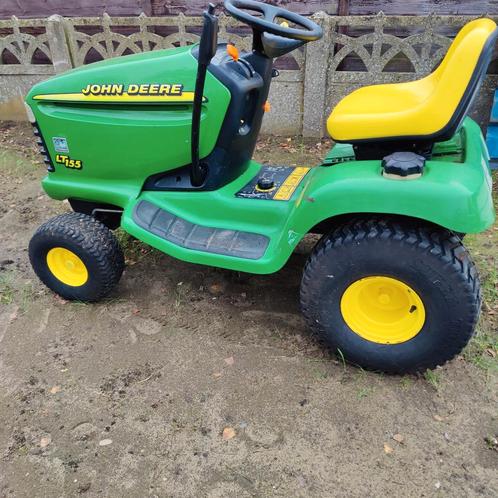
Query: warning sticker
x,y
284,193
60,144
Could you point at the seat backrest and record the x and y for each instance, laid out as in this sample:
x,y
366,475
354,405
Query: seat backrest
x,y
459,76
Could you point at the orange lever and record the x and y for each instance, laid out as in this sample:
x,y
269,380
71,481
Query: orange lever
x,y
233,52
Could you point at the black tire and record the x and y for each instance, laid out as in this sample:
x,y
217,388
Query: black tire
x,y
432,261
90,241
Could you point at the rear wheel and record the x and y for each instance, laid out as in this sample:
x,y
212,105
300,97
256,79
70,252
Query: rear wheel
x,y
391,296
77,257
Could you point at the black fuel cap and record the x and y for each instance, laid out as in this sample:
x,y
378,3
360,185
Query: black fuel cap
x,y
265,184
403,164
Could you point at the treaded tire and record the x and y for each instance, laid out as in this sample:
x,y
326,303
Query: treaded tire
x,y
431,260
91,241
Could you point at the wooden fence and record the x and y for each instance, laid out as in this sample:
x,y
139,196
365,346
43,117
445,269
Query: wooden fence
x,y
37,8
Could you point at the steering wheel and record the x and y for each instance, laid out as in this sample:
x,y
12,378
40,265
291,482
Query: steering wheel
x,y
267,24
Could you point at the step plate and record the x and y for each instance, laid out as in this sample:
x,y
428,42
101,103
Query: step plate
x,y
182,233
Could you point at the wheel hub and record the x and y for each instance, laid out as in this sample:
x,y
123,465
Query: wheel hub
x,y
67,267
383,310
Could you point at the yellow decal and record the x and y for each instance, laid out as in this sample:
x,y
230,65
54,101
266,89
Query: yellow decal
x,y
133,89
284,193
132,93
68,162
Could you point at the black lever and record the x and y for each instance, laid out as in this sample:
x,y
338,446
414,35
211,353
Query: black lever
x,y
207,49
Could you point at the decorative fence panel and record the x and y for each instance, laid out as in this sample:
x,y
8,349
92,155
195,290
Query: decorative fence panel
x,y
355,51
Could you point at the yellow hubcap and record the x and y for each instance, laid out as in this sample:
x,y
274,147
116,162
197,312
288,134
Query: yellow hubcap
x,y
383,310
67,267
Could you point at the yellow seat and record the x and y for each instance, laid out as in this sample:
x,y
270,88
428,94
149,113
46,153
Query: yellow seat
x,y
431,108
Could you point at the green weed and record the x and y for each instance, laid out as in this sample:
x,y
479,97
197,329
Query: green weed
x,y
15,164
406,382
26,296
320,374
14,290
363,392
482,350
489,284
7,289
134,250
433,378
341,356
182,290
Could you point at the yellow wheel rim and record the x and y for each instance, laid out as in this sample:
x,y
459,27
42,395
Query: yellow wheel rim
x,y
383,310
67,267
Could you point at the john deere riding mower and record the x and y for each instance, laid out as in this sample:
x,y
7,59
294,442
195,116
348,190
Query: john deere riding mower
x,y
160,144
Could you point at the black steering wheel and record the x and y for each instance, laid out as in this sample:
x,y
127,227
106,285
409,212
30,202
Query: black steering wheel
x,y
267,24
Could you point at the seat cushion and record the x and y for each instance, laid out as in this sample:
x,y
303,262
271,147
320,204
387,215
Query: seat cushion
x,y
417,109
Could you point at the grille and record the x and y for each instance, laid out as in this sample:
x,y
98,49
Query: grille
x,y
42,147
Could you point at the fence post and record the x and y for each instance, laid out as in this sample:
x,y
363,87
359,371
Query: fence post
x,y
315,79
57,42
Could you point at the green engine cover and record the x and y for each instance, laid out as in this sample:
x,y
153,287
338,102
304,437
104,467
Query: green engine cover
x,y
124,119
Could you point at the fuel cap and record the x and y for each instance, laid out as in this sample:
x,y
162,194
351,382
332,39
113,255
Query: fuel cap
x,y
403,165
265,184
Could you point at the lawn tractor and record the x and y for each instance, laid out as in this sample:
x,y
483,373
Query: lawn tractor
x,y
160,144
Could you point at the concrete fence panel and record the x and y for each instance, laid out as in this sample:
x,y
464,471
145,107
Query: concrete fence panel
x,y
354,51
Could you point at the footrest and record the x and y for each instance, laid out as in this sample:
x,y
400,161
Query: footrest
x,y
185,234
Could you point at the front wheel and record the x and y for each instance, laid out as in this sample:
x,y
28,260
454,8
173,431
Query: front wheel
x,y
77,257
392,296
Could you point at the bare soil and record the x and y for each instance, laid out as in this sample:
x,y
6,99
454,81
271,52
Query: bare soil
x,y
195,382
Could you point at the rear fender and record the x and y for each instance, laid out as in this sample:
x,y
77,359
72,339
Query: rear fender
x,y
454,195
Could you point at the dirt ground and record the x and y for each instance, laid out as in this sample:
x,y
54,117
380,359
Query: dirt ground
x,y
196,382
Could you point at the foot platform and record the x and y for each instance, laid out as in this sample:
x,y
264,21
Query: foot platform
x,y
185,234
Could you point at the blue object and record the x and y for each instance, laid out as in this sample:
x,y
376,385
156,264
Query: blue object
x,y
492,134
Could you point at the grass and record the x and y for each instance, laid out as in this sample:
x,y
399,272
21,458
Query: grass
x,y
363,392
134,250
406,382
26,296
482,350
14,290
320,374
433,377
490,286
7,290
491,442
182,290
341,356
14,163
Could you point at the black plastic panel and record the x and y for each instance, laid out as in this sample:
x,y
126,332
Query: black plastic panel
x,y
248,81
